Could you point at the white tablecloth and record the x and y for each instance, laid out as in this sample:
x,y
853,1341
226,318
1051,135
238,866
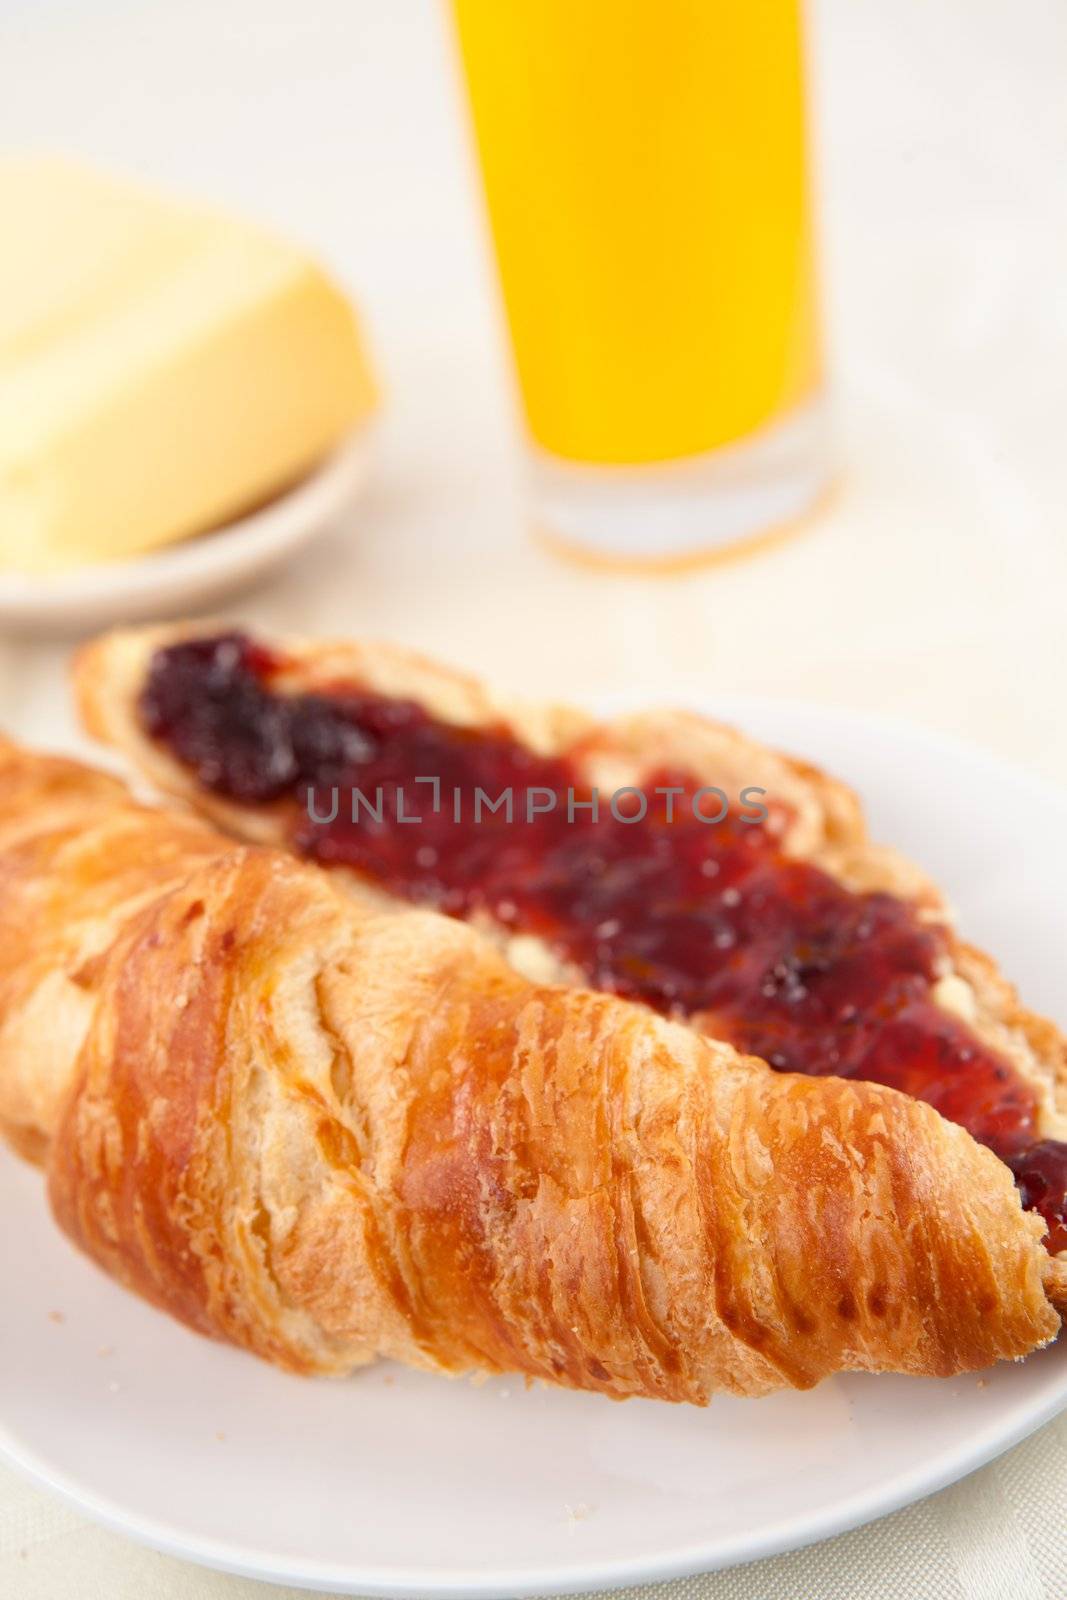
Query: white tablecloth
x,y
933,587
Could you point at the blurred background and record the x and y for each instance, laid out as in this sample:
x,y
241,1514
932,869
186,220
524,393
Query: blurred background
x,y
931,586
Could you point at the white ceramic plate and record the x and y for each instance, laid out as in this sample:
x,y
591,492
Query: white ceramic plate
x,y
396,1483
192,572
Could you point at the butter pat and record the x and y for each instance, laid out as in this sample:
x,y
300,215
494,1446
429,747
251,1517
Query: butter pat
x,y
162,368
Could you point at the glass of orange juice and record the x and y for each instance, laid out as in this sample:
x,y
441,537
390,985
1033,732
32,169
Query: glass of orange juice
x,y
645,166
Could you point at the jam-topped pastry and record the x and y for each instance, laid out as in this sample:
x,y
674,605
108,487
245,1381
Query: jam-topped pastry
x,y
664,859
327,1131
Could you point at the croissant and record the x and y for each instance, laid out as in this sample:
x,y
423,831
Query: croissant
x,y
328,1132
807,944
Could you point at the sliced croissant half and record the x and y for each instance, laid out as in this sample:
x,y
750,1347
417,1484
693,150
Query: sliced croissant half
x,y
776,925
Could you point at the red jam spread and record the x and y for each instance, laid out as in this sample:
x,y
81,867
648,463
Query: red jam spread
x,y
684,913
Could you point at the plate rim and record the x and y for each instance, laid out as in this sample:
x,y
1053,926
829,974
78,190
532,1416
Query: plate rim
x,y
577,1578
265,534
786,1534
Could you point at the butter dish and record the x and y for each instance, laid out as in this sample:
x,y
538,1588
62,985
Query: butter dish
x,y
166,371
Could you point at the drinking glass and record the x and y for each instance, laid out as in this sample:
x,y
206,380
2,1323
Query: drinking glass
x,y
646,171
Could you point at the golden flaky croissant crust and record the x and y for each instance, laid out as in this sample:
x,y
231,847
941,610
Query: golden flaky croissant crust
x,y
328,1133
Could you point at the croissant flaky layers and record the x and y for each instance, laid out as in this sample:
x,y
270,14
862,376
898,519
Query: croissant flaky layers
x,y
327,1133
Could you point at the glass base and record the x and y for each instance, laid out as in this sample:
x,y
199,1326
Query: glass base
x,y
678,510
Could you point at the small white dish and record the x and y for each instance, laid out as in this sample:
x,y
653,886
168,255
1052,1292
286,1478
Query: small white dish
x,y
193,572
398,1483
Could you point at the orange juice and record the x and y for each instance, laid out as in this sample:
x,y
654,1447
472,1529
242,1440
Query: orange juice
x,y
645,168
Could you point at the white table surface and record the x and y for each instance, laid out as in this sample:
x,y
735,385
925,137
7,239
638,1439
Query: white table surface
x,y
933,587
